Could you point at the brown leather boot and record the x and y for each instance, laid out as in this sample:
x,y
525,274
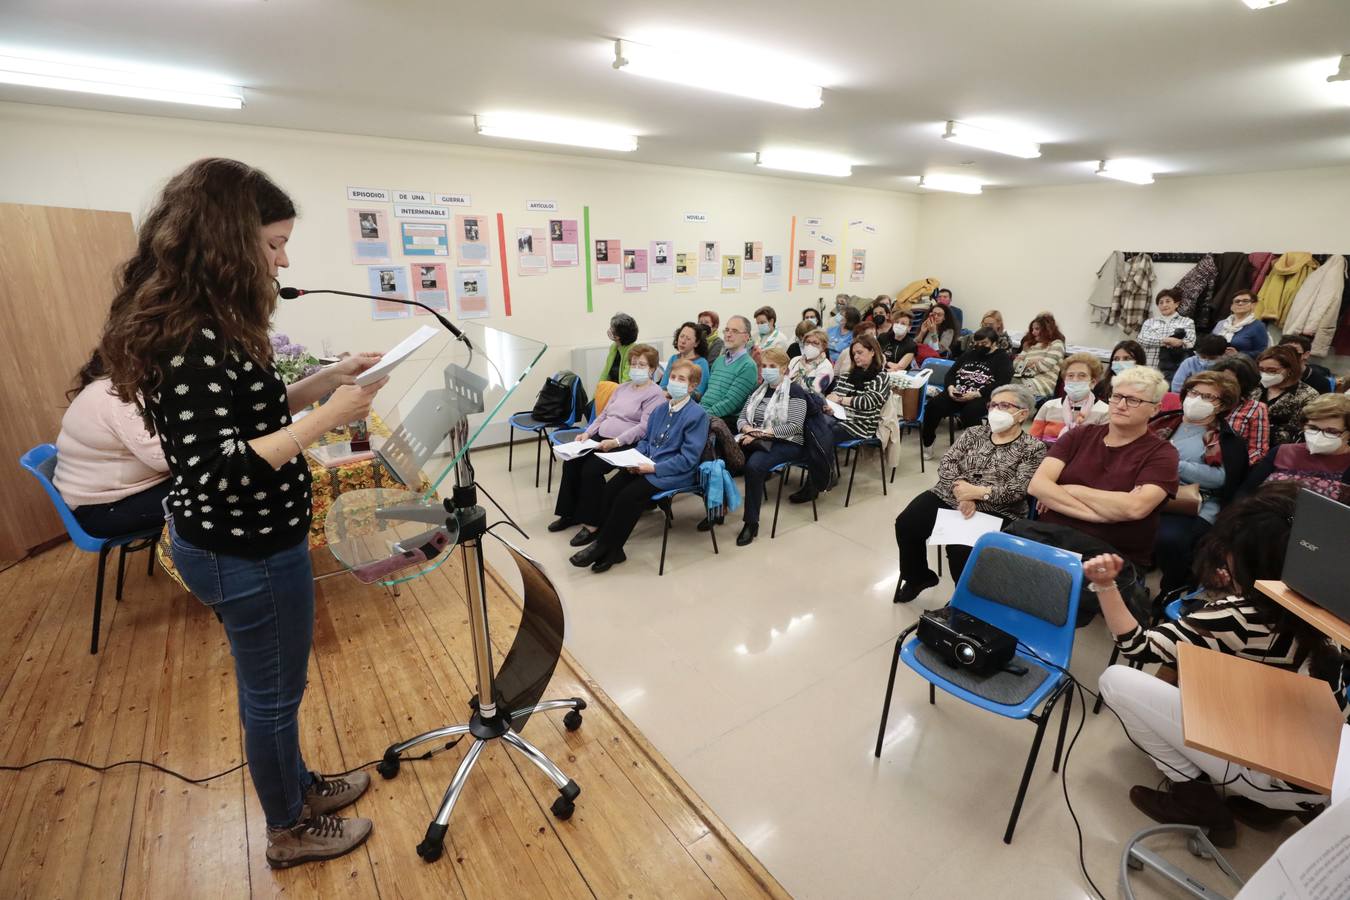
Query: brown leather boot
x,y
1188,803
1263,818
314,838
327,795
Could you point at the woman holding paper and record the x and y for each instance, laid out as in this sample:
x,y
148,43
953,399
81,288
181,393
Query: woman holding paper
x,y
620,426
987,470
770,431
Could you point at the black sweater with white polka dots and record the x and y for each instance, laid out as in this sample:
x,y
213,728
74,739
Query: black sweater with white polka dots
x,y
226,498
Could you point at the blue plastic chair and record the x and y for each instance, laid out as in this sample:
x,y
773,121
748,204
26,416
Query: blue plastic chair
x,y
561,436
525,421
663,502
854,447
41,461
1031,591
915,424
782,470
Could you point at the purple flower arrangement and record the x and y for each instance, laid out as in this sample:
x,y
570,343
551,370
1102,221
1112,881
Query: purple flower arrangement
x,y
292,360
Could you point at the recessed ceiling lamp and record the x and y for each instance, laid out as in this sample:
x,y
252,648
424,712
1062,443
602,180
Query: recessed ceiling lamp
x,y
957,184
726,74
805,161
1116,169
1262,4
970,136
549,130
136,84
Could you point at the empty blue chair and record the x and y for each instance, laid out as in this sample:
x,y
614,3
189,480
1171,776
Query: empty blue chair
x,y
41,461
1031,591
525,421
915,424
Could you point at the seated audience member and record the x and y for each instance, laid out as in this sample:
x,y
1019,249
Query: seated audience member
x,y
623,334
1318,377
1246,544
1167,337
1321,462
677,433
994,319
841,332
936,334
710,322
1212,458
692,346
732,375
987,470
770,431
767,335
1040,356
812,314
968,385
1242,330
804,327
1248,419
812,370
1124,355
1078,406
620,426
861,393
944,298
110,471
1209,349
1283,393
897,346
1110,481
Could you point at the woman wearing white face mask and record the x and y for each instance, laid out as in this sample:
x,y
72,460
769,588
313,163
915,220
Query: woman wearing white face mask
x,y
1283,392
896,344
769,430
1321,462
1212,457
1078,406
1124,356
812,370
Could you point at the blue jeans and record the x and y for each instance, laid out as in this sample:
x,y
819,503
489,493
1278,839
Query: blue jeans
x,y
267,607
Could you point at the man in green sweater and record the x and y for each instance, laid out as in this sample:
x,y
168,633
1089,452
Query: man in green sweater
x,y
733,375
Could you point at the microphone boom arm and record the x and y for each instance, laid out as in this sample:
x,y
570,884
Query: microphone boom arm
x,y
290,293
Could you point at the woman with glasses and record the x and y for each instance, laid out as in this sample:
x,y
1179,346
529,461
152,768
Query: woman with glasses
x,y
1321,462
1283,392
1213,458
1109,481
987,470
1242,329
1078,406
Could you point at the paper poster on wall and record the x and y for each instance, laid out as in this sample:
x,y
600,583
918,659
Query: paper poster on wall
x,y
806,266
392,282
562,242
425,239
369,231
773,273
709,261
431,286
731,274
858,270
471,293
753,264
608,256
662,261
471,234
531,255
829,269
634,271
686,278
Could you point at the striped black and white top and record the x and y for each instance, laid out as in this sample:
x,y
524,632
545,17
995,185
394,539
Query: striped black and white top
x,y
868,397
791,429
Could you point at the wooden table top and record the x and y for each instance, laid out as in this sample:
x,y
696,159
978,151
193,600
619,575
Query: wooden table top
x,y
1269,719
1330,624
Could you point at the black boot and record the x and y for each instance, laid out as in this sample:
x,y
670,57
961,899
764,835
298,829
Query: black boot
x,y
1188,803
805,495
749,531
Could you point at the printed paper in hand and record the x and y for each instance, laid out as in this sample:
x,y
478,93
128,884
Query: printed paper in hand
x,y
954,528
754,259
391,282
806,266
562,239
531,254
731,274
624,458
608,255
430,286
662,261
400,351
634,271
369,230
471,234
572,449
773,274
836,410
1313,864
685,266
709,260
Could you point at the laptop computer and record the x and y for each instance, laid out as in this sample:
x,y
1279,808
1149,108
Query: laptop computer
x,y
1316,563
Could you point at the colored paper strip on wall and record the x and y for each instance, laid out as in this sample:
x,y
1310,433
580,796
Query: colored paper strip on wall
x,y
792,254
501,255
590,287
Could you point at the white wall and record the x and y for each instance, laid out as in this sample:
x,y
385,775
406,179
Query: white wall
x,y
1029,249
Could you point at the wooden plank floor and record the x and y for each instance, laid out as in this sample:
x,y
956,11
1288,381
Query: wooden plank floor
x,y
384,667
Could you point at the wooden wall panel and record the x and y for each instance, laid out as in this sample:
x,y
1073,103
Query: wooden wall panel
x,y
57,270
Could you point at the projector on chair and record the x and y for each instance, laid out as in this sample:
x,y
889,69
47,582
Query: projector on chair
x,y
966,642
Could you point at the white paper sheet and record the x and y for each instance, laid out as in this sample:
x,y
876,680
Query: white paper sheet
x,y
401,351
836,410
573,449
954,528
1313,864
624,458
1340,778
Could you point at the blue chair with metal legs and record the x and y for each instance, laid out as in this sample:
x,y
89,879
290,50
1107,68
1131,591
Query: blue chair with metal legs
x,y
525,421
782,470
663,502
1031,591
914,424
561,436
41,462
854,448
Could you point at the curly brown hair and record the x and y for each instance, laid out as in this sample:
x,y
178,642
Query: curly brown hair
x,y
198,262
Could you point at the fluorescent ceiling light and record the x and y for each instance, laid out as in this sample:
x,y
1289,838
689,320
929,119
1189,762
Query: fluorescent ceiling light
x,y
725,73
805,161
955,183
548,130
141,85
1262,4
969,135
1134,173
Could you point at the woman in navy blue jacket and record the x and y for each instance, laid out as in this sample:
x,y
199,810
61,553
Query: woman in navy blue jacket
x,y
677,432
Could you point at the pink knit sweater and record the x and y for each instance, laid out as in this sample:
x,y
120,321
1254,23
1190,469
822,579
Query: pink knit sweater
x,y
104,454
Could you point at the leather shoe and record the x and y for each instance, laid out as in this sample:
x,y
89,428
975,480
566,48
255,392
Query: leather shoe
x,y
1188,803
612,558
749,531
561,524
583,558
805,495
706,524
907,590
582,537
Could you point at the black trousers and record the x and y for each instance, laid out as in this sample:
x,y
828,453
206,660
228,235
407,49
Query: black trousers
x,y
972,412
625,498
135,513
758,462
1173,548
582,484
913,527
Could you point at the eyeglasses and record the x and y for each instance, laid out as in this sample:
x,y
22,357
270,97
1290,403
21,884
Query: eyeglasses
x,y
1242,301
1131,402
1329,432
1006,407
1212,398
1265,371
734,331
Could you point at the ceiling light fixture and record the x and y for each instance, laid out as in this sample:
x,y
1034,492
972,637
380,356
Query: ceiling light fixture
x,y
1262,4
726,74
954,183
805,161
549,130
1118,170
137,84
970,136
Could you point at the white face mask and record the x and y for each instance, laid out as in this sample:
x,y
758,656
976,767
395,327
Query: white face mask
x,y
770,375
1270,379
1321,443
1076,390
1196,409
900,331
810,351
639,376
1120,365
1000,421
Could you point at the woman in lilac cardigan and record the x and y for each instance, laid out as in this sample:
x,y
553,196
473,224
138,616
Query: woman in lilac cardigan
x,y
620,426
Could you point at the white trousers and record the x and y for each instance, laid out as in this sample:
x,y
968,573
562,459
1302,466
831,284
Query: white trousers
x,y
1151,711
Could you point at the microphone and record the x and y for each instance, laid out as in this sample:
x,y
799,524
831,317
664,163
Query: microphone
x,y
291,293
